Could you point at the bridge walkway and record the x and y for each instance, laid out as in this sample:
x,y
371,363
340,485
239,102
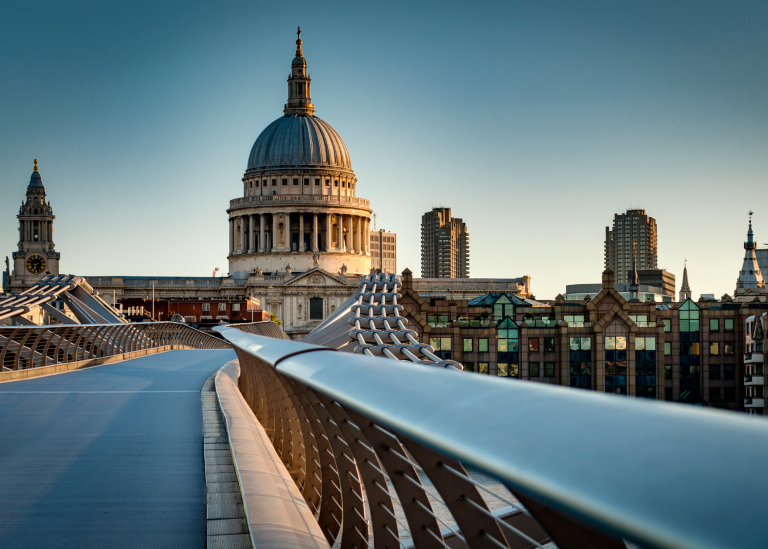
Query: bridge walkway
x,y
110,456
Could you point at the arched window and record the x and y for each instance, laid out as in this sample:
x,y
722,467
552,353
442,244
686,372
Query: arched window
x,y
315,308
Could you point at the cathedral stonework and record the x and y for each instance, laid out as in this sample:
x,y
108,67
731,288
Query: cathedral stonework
x,y
299,204
36,255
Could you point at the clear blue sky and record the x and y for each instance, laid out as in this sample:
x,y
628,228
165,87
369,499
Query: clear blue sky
x,y
534,121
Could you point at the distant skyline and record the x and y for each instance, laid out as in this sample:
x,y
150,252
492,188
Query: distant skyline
x,y
534,122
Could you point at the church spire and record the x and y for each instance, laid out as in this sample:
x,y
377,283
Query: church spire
x,y
634,285
299,97
750,277
685,289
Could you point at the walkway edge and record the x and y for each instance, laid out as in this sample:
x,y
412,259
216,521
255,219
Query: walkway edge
x,y
276,512
54,369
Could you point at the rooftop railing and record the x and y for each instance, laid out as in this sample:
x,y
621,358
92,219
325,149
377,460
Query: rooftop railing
x,y
319,199
386,454
24,347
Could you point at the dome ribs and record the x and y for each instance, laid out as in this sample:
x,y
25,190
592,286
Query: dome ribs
x,y
299,140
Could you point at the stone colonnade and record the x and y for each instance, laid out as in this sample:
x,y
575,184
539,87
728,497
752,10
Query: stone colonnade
x,y
45,230
328,232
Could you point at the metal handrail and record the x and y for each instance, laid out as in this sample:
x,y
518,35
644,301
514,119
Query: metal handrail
x,y
579,461
24,347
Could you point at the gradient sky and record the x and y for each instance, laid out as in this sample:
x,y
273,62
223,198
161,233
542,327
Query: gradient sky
x,y
534,121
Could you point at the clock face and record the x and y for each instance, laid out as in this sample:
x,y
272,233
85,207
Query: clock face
x,y
36,264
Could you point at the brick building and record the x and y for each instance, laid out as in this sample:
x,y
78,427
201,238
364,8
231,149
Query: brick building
x,y
688,352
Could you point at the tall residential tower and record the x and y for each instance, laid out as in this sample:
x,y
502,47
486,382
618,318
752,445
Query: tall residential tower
x,y
444,245
629,229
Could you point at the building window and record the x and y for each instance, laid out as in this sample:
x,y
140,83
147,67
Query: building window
x,y
295,181
306,181
327,182
482,345
667,348
645,367
714,348
482,368
442,346
729,347
315,308
503,307
507,335
730,394
549,344
274,182
549,369
714,371
533,345
437,321
468,345
533,368
235,307
574,321
667,324
668,394
222,307
285,182
206,306
667,371
729,371
468,366
616,365
640,320
581,362
317,182
335,183
505,369
714,324
728,324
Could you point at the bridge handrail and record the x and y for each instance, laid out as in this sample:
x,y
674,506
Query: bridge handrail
x,y
658,474
24,347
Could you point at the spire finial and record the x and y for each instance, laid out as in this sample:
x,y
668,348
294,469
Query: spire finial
x,y
298,43
35,165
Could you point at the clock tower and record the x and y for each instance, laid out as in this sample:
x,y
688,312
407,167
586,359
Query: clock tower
x,y
36,256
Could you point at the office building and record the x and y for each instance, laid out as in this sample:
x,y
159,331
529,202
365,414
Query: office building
x,y
383,251
444,245
631,230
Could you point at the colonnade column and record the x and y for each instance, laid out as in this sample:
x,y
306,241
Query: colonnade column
x,y
328,237
340,225
301,231
314,233
350,234
252,234
231,236
243,245
359,235
261,233
367,237
273,244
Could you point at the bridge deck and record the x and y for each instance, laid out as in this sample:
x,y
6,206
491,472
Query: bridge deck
x,y
107,457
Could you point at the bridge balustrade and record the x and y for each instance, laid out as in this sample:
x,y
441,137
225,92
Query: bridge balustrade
x,y
386,454
24,347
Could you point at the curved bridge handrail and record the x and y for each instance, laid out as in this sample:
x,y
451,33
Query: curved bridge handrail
x,y
24,347
583,463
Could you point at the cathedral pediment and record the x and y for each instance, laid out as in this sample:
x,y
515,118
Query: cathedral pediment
x,y
317,277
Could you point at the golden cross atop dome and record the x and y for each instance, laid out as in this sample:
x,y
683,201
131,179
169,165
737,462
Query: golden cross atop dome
x,y
35,164
298,43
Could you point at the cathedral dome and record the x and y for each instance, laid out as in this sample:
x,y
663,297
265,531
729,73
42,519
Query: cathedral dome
x,y
299,140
